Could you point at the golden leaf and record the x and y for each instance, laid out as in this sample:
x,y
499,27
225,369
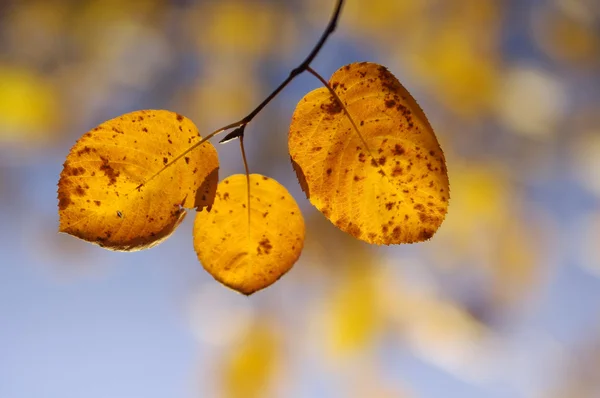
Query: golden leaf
x,y
374,166
99,192
248,246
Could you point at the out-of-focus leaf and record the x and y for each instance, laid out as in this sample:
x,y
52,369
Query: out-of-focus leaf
x,y
28,106
249,369
353,317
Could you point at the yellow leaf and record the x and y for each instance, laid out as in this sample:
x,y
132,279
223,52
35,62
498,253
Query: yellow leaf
x,y
248,246
29,107
99,198
251,367
376,172
353,318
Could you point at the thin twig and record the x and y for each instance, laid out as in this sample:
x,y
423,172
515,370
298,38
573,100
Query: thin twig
x,y
239,132
331,26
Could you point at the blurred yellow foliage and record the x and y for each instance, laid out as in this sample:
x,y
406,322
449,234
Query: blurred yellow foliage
x,y
250,368
224,27
29,106
41,25
480,202
486,231
377,17
353,316
461,73
569,34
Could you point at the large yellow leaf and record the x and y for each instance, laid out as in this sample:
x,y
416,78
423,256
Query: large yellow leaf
x,y
248,246
99,195
376,172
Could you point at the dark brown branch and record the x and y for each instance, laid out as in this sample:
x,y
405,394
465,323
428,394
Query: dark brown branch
x,y
331,26
241,124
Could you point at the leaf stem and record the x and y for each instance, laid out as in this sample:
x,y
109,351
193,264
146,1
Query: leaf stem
x,y
304,66
243,150
196,145
339,100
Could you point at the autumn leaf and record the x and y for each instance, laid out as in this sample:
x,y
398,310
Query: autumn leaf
x,y
249,244
373,167
109,193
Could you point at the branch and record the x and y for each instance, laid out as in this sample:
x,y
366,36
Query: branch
x,y
241,124
331,26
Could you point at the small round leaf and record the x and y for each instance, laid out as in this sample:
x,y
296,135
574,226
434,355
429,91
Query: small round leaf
x,y
249,244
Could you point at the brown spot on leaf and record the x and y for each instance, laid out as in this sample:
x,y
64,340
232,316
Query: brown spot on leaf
x,y
333,107
109,171
264,246
64,200
426,234
397,171
398,150
354,230
78,171
86,150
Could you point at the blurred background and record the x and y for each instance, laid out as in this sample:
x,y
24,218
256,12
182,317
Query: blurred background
x,y
504,301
